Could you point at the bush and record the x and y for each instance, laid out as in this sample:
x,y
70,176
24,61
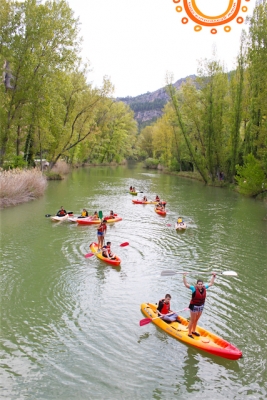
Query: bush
x,y
15,162
250,177
151,163
19,186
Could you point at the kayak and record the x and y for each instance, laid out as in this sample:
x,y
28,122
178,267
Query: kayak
x,y
181,226
90,221
56,218
94,250
111,220
160,212
144,202
133,193
147,202
207,341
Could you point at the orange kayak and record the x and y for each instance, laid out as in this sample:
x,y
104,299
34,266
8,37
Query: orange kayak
x,y
160,212
94,250
206,341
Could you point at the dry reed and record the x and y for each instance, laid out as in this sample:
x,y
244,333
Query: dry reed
x,y
61,168
20,186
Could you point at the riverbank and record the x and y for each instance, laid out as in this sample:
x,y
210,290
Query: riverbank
x,y
20,186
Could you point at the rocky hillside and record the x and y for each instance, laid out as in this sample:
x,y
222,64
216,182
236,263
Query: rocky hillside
x,y
148,107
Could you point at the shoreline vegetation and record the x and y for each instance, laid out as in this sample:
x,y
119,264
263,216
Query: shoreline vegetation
x,y
213,127
20,186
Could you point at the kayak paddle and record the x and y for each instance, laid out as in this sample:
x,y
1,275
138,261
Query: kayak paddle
x,y
92,254
169,272
146,321
100,214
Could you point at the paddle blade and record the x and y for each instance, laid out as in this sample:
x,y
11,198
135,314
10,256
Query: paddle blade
x,y
169,224
168,272
145,321
100,214
229,273
88,255
124,244
48,215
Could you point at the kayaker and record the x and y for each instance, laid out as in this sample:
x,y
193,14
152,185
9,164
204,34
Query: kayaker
x,y
131,188
197,302
61,212
106,252
111,215
159,206
95,216
179,220
84,213
101,229
164,308
157,198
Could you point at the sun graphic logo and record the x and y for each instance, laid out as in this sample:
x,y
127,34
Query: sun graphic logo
x,y
204,13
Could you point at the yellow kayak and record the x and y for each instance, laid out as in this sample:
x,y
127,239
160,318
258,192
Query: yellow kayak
x,y
207,341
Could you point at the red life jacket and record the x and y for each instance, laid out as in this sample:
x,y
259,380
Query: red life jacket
x,y
102,228
166,307
198,298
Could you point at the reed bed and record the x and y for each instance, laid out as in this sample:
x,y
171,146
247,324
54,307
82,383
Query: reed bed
x,y
20,186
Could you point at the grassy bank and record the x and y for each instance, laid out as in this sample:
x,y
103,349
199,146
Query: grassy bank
x,y
20,186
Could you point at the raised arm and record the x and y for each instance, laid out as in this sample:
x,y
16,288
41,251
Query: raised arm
x,y
185,281
212,279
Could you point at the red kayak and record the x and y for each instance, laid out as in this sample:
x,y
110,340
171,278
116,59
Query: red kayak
x,y
160,212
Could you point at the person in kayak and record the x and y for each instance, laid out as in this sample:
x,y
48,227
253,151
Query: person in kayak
x,y
197,302
179,220
106,252
131,188
95,216
164,308
160,207
61,212
84,213
157,198
101,229
111,215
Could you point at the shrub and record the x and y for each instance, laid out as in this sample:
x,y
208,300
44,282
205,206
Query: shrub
x,y
151,163
19,186
250,177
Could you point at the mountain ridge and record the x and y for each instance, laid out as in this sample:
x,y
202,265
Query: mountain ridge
x,y
149,106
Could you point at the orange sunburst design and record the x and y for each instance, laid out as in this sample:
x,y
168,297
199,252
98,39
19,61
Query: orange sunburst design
x,y
196,15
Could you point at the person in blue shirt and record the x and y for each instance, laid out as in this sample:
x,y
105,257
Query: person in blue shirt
x,y
197,302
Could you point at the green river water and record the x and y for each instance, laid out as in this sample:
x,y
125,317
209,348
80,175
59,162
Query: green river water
x,y
70,324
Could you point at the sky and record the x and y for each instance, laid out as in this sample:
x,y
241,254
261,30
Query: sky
x,y
135,43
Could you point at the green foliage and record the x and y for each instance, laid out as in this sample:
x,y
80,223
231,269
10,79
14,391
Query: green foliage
x,y
15,162
151,163
250,177
53,176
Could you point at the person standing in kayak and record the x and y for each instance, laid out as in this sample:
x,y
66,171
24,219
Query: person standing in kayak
x,y
164,308
101,229
197,302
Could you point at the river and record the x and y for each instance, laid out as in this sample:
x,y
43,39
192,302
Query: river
x,y
70,324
